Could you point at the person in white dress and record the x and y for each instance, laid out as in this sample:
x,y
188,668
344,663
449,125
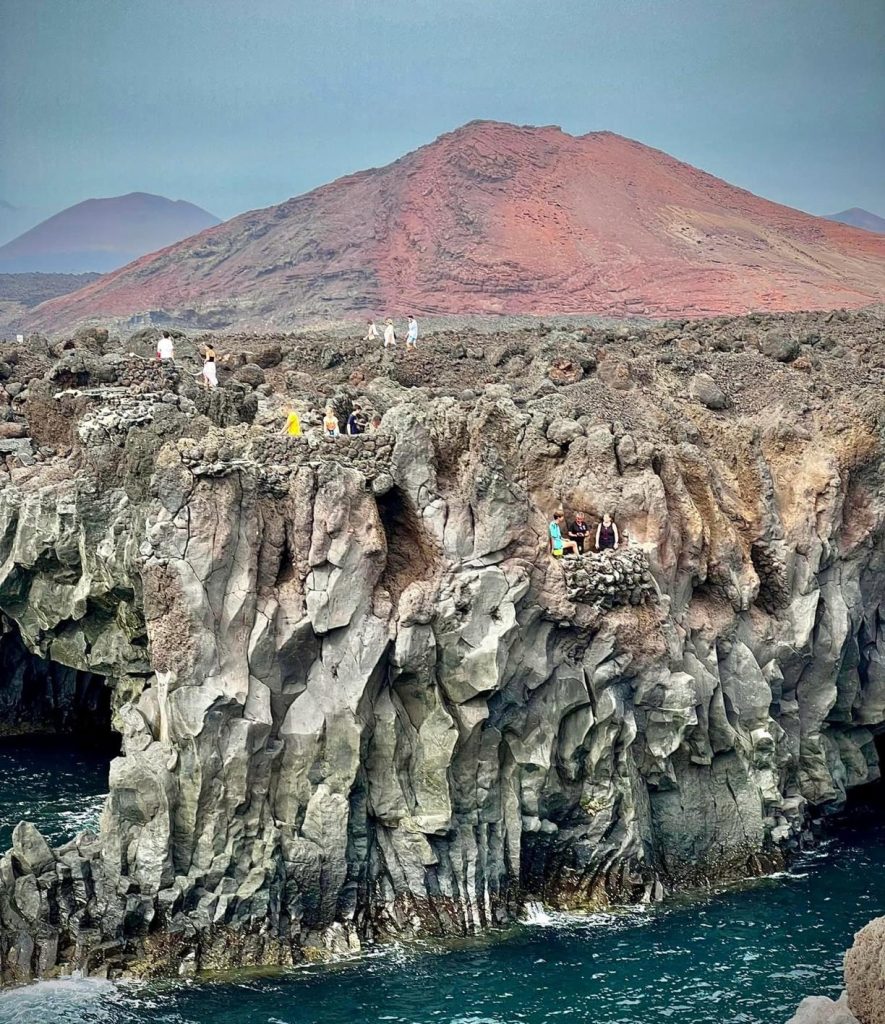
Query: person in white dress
x,y
389,334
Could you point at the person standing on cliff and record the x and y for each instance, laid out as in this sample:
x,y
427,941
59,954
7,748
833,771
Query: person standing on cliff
x,y
210,372
372,333
607,538
412,336
389,334
166,348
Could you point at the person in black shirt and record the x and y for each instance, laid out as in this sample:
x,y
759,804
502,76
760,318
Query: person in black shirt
x,y
356,422
578,531
607,538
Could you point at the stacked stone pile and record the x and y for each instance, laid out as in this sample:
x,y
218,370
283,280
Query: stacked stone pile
x,y
609,578
15,438
215,459
368,453
139,373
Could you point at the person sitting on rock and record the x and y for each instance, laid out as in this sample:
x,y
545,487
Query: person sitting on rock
x,y
210,373
372,333
356,422
607,535
389,334
578,531
293,424
330,423
558,546
375,423
166,348
412,336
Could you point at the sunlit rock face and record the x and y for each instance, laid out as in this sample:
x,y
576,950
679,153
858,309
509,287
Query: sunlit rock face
x,y
359,699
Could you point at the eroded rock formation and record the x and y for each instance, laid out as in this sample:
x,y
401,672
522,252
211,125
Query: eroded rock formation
x,y
863,1001
357,697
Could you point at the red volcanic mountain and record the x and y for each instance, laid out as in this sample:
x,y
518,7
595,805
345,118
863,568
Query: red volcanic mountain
x,y
494,218
102,234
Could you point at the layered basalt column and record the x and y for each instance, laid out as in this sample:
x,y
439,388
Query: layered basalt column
x,y
356,705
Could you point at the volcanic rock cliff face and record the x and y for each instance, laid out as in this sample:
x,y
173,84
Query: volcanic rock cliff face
x,y
495,218
356,697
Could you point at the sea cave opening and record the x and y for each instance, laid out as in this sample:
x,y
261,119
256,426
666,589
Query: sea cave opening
x,y
871,795
56,743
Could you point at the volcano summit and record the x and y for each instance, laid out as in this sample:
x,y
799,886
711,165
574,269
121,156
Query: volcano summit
x,y
495,218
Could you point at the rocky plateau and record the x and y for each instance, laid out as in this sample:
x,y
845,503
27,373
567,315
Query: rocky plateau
x,y
359,701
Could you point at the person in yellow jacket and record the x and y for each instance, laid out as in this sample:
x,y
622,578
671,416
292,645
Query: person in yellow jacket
x,y
293,424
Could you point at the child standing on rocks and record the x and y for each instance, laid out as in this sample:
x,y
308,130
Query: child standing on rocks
x,y
330,423
412,336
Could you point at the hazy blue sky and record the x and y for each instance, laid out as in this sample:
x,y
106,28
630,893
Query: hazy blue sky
x,y
235,104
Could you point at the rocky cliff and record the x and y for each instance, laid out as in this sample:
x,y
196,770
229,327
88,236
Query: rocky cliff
x,y
496,218
358,699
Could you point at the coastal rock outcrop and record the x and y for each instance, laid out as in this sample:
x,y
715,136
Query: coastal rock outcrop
x,y
863,1001
358,699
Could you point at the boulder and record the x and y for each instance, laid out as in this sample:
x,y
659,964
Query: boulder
x,y
780,346
563,431
706,391
251,374
865,973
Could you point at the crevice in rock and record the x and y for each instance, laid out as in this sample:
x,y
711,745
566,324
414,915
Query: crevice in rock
x,y
410,550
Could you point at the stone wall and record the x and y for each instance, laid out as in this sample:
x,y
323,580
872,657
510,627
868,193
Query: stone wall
x,y
609,578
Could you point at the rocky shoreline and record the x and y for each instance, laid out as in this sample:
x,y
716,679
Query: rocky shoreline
x,y
357,698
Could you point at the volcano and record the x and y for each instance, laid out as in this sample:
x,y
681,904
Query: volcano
x,y
496,218
102,234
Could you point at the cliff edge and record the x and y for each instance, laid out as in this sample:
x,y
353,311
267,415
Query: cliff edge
x,y
357,697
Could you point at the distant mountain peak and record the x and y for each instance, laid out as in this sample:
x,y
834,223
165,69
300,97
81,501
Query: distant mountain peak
x,y
859,218
102,234
500,218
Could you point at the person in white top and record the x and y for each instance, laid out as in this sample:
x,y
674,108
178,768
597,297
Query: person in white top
x,y
166,347
389,334
412,336
372,334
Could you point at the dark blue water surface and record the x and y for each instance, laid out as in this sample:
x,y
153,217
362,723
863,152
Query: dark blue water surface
x,y
744,955
54,782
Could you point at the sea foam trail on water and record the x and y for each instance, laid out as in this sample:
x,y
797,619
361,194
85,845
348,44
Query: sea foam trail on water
x,y
535,914
62,1002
